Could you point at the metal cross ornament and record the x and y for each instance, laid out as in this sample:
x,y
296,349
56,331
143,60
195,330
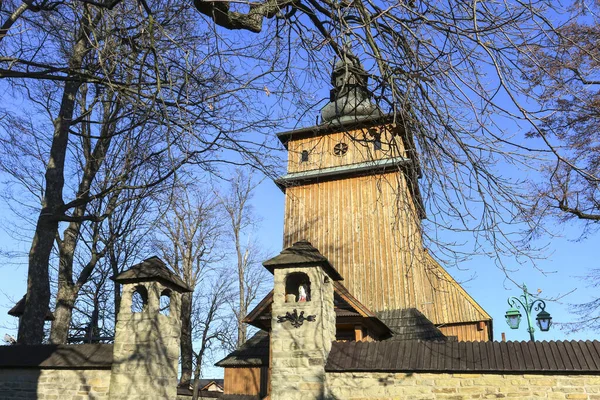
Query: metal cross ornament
x,y
295,319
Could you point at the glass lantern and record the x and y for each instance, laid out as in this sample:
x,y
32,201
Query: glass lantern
x,y
513,318
544,320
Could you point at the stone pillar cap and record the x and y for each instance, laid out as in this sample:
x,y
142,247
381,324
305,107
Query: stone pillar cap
x,y
302,253
152,269
19,308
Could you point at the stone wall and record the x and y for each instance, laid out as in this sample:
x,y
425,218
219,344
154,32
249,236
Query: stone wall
x,y
392,386
54,384
299,354
146,349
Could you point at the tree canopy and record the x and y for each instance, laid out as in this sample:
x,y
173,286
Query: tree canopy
x,y
157,85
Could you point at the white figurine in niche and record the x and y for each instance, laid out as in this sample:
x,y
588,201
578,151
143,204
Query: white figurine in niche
x,y
302,294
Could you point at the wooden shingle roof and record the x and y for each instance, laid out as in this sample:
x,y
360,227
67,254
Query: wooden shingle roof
x,y
410,324
19,308
89,356
253,353
152,268
345,305
299,254
575,357
446,301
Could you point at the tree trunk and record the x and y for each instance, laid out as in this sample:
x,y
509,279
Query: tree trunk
x,y
67,290
197,373
31,326
37,301
241,326
187,351
65,301
93,329
114,265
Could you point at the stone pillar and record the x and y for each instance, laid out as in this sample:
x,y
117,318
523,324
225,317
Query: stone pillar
x,y
146,348
299,353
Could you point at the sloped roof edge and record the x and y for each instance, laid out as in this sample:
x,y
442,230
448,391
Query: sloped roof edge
x,y
302,253
484,315
468,357
149,269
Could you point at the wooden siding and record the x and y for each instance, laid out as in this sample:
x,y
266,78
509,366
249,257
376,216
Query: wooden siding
x,y
450,302
242,381
468,332
360,148
369,229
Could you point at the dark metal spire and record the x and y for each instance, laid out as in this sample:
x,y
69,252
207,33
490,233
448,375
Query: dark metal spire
x,y
350,96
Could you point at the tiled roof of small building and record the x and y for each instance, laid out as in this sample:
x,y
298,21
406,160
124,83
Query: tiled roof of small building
x,y
302,253
89,356
410,324
188,390
152,268
255,352
507,357
345,305
19,308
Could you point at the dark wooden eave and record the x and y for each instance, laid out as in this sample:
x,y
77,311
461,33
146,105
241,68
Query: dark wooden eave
x,y
253,353
333,127
19,308
88,356
302,253
347,309
565,357
339,172
152,268
410,324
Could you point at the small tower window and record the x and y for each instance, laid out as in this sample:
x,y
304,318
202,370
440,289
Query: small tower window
x,y
297,287
139,299
377,143
165,302
304,156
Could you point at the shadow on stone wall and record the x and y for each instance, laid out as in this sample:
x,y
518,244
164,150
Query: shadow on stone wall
x,y
44,371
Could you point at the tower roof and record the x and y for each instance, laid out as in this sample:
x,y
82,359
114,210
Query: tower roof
x,y
350,97
302,253
152,269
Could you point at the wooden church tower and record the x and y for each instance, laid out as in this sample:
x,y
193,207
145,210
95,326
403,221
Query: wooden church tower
x,y
352,191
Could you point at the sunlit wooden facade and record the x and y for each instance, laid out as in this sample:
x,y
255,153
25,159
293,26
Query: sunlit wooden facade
x,y
352,191
366,219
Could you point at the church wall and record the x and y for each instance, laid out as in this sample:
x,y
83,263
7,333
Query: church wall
x,y
248,381
427,386
368,229
468,332
360,148
54,384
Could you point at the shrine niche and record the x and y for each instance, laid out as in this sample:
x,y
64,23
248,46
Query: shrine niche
x,y
297,288
139,299
165,302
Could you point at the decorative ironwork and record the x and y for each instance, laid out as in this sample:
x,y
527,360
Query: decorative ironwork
x,y
340,149
295,319
529,304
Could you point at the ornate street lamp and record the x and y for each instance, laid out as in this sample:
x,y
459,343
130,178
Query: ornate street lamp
x,y
544,320
513,318
513,315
